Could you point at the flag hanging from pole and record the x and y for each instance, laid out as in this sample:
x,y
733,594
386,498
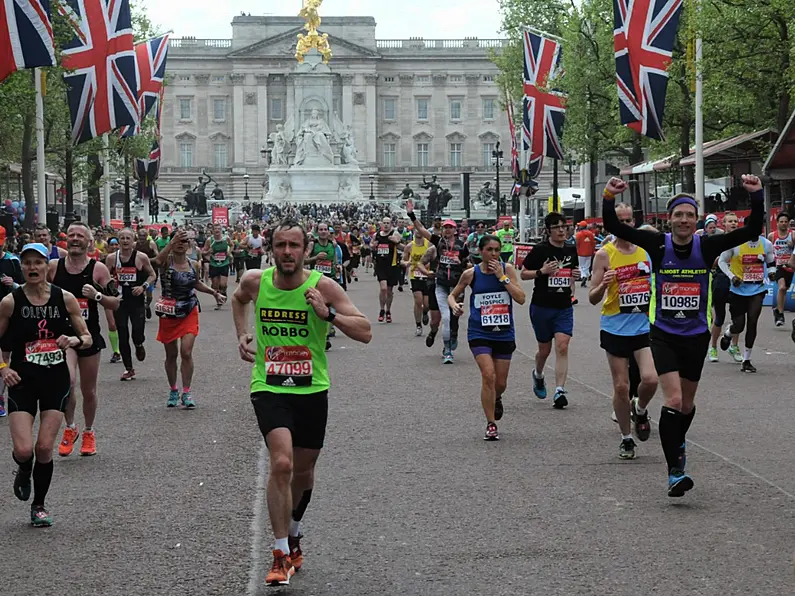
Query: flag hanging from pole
x,y
26,39
543,112
514,146
150,58
644,32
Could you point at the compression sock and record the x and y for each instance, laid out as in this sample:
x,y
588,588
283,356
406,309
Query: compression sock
x,y
671,435
25,467
114,341
42,476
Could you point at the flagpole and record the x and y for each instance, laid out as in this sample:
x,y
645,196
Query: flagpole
x,y
106,186
555,197
41,177
699,129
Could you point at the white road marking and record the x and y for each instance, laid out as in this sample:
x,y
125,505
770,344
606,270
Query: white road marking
x,y
728,460
256,569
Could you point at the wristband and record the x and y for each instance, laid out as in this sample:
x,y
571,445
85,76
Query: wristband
x,y
412,217
80,343
3,365
146,285
505,279
608,195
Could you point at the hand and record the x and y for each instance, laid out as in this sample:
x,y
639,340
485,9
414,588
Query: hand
x,y
10,376
494,267
137,290
458,309
615,186
247,353
736,281
89,291
220,298
67,341
771,275
576,273
550,267
315,299
752,183
181,236
6,281
409,206
608,277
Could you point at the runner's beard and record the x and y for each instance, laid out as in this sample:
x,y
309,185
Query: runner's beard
x,y
296,266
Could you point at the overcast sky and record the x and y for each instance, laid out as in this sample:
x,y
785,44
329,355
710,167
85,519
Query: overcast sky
x,y
395,19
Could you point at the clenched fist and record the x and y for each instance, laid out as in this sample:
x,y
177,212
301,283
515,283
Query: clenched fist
x,y
752,183
615,186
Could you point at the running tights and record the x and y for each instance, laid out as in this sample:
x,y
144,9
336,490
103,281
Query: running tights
x,y
449,322
134,313
752,312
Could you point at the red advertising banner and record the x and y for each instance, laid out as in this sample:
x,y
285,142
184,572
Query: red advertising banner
x,y
221,215
503,218
520,251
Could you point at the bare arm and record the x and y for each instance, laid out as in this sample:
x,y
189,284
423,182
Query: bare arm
x,y
201,286
601,264
146,265
459,291
244,295
418,227
6,311
406,261
102,279
78,322
426,259
207,247
52,267
514,288
162,256
153,247
349,319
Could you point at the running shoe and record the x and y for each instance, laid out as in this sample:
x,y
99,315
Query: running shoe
x,y
539,386
140,353
400,288
778,318
747,367
21,485
640,421
491,432
425,318
128,375
187,401
447,357
559,400
613,416
574,301
725,342
281,570
432,337
381,316
712,355
296,556
88,446
173,398
735,353
418,332
148,312
678,483
3,412
498,409
627,449
40,517
116,358
388,317
332,332
328,345
354,279
68,441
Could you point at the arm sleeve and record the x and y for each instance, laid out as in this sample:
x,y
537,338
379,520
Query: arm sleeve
x,y
770,254
712,246
648,240
724,262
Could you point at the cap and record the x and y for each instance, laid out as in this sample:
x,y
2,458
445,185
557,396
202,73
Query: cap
x,y
113,241
2,233
38,247
582,224
711,218
449,222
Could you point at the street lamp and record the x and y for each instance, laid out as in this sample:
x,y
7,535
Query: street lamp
x,y
496,159
245,181
372,180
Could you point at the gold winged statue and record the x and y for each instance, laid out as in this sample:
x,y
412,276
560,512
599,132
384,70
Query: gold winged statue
x,y
312,39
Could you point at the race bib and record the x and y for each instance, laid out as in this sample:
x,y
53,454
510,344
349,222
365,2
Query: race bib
x,y
127,275
495,309
449,257
324,267
753,269
634,287
43,352
383,250
166,306
288,366
680,300
560,279
419,274
83,304
219,256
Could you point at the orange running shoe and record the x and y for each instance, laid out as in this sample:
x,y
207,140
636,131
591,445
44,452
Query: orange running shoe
x,y
89,444
281,570
296,556
68,441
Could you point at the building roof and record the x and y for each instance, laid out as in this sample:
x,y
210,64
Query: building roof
x,y
780,164
733,149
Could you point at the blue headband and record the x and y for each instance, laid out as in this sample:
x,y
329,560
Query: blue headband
x,y
683,200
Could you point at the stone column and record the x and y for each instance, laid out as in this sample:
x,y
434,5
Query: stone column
x,y
372,108
262,114
347,100
238,118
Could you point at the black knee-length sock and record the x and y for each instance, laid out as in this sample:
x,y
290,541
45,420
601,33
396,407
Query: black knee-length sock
x,y
42,476
671,425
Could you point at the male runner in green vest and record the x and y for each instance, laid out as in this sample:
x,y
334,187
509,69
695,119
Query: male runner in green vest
x,y
218,251
293,308
506,239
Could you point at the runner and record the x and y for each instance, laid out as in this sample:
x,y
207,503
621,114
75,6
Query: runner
x,y
783,240
586,248
163,239
323,258
134,275
490,332
42,236
679,311
720,292
290,380
239,254
473,242
254,247
506,234
452,257
405,238
355,249
623,271
387,270
113,333
412,255
216,249
146,245
41,322
90,282
367,253
10,279
748,267
178,309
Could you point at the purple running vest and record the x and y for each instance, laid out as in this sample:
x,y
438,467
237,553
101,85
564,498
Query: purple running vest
x,y
681,297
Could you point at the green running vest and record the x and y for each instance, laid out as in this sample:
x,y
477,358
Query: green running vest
x,y
291,340
219,253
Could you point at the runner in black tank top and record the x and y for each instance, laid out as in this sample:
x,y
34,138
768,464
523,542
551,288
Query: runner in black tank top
x,y
134,275
91,284
41,322
149,248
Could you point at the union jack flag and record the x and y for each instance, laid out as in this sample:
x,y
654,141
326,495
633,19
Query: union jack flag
x,y
150,57
514,148
102,88
25,35
543,111
643,36
146,171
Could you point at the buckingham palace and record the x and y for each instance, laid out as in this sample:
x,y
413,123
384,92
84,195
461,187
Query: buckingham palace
x,y
416,106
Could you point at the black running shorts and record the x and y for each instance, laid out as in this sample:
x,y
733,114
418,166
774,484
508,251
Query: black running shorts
x,y
41,389
720,298
684,354
622,346
219,271
304,415
419,285
782,273
391,275
97,345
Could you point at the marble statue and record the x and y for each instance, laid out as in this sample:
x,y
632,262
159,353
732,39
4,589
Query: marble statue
x,y
486,195
314,139
348,192
349,152
279,151
281,191
406,193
